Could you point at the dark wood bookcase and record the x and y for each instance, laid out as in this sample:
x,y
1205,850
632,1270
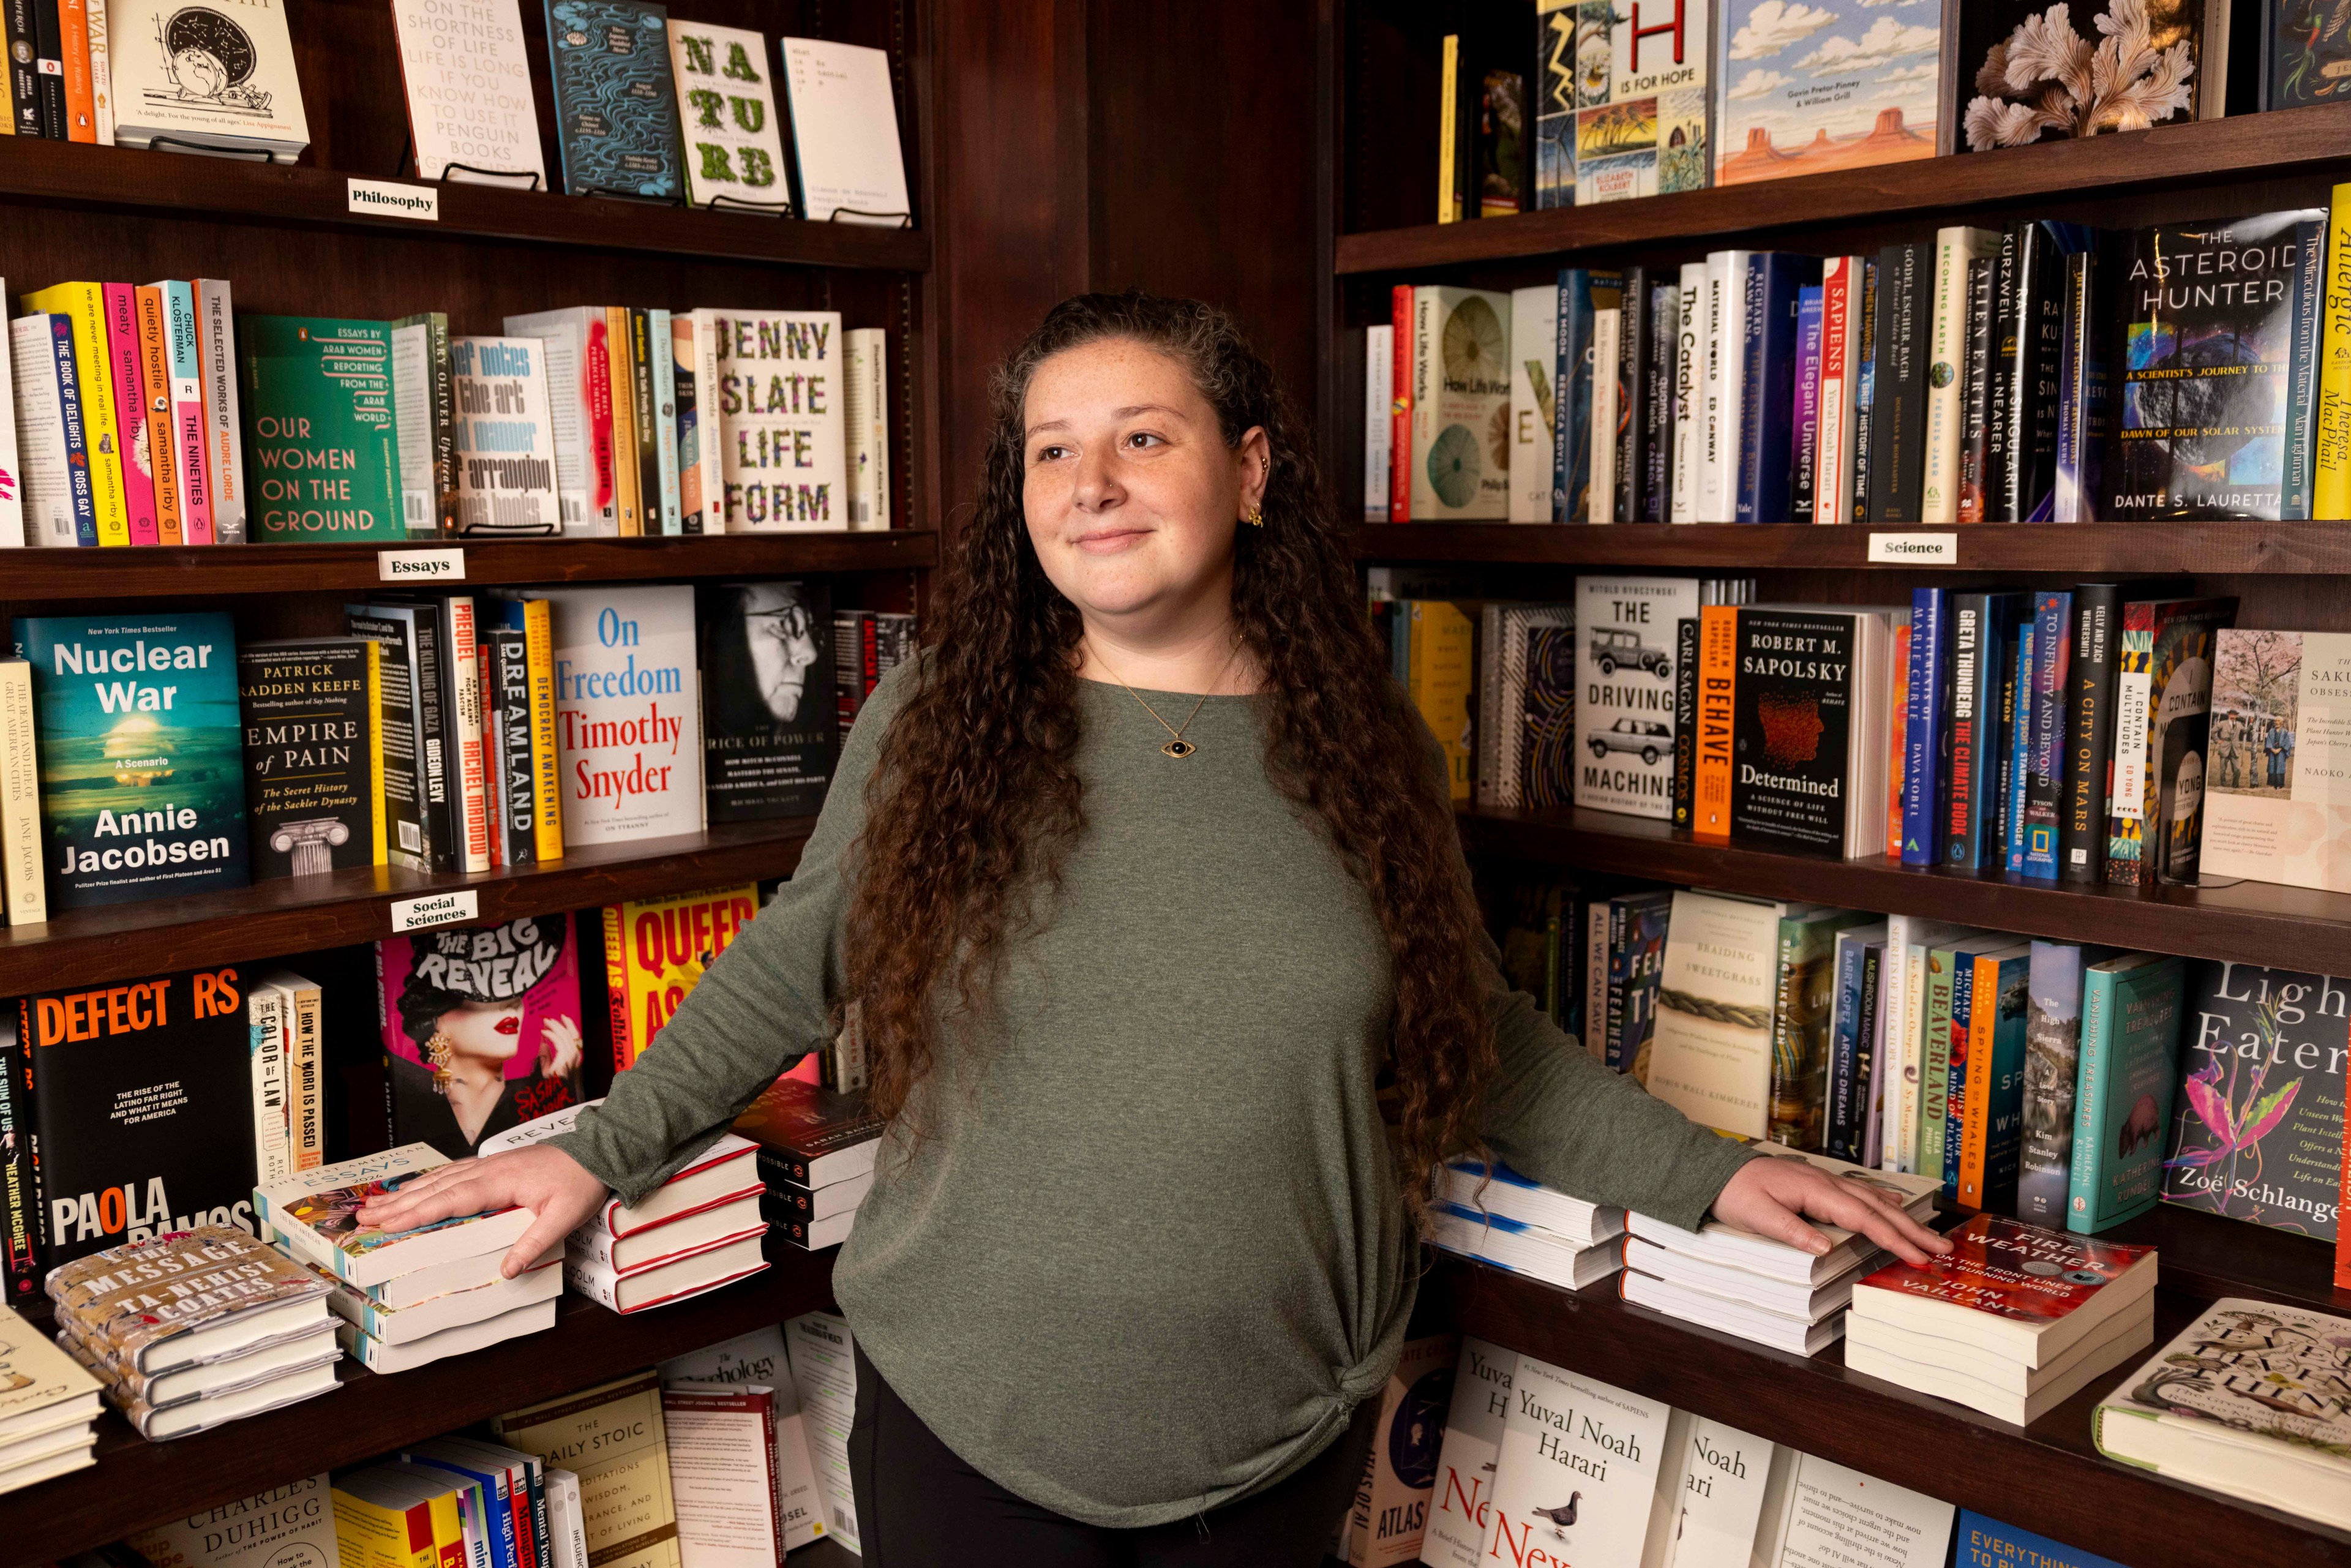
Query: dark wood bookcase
x,y
1377,159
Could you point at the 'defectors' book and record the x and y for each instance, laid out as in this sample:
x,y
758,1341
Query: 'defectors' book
x,y
143,776
770,725
322,430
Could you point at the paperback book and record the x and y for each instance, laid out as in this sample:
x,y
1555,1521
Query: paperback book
x,y
727,102
470,110
481,1028
782,457
505,438
628,700
322,429
615,105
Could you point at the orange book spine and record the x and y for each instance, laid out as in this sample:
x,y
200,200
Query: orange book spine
x,y
1974,1112
616,987
81,103
162,441
1718,688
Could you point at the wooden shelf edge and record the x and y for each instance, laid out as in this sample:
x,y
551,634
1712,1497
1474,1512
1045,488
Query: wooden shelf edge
x,y
67,174
2248,146
289,915
2135,549
2047,1477
30,576
136,1484
2246,922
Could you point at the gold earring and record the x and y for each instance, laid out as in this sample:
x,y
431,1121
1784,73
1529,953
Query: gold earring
x,y
1254,517
437,1052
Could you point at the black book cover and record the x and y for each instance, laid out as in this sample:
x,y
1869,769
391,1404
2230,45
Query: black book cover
x,y
771,725
2000,390
143,1108
1685,719
309,775
1657,403
510,700
1975,422
1792,727
49,46
1983,659
2001,808
1632,377
2030,479
2088,338
406,832
2089,732
2216,351
24,76
434,719
1898,432
1864,391
20,1195
796,1123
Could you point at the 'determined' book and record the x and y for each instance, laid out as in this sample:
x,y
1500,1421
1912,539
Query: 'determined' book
x,y
2220,368
769,723
140,741
1792,725
313,765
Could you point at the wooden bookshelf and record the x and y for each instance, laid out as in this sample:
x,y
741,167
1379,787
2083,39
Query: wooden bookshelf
x,y
137,1484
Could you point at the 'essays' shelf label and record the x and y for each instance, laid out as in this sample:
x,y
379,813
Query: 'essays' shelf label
x,y
394,199
434,909
420,566
1914,550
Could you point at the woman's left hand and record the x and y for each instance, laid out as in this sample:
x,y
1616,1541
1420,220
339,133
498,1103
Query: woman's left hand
x,y
1772,1197
558,1050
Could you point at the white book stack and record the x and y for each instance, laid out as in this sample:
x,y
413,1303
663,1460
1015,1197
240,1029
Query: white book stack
x,y
1515,1223
48,1407
824,1366
383,1324
1738,1282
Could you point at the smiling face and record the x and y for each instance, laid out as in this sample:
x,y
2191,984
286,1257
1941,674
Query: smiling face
x,y
487,1031
1131,494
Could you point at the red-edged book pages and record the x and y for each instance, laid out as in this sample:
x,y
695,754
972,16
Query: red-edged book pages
x,y
2016,1291
662,1284
641,1249
721,1173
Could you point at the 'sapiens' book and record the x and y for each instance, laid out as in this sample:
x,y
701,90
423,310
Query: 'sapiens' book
x,y
2172,67
481,1028
315,1215
142,755
312,757
2247,1401
810,1136
576,349
505,437
2257,1133
193,79
1623,670
655,950
1886,109
628,702
470,110
2163,702
1460,457
734,150
615,104
1534,327
2052,1068
2277,781
1822,1515
1711,1056
1641,127
184,1298
1460,1515
2235,443
612,1438
1579,1468
322,429
2016,1292
847,163
287,1526
768,723
758,1359
782,464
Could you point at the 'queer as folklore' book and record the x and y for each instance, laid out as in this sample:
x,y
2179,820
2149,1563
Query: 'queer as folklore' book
x,y
312,757
2277,771
322,430
783,464
615,113
655,950
143,766
480,1027
770,725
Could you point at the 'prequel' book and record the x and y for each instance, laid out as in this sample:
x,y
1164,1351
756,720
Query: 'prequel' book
x,y
771,722
312,760
142,776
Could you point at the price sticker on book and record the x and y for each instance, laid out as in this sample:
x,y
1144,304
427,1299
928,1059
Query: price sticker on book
x,y
1914,550
435,909
420,566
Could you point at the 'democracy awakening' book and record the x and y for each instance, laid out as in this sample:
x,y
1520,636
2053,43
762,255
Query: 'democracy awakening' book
x,y
322,431
615,115
769,723
142,776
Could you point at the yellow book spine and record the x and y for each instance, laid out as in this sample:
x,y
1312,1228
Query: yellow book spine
x,y
617,1000
618,336
2330,490
371,1536
380,839
539,655
448,1532
84,304
20,799
1449,209
1441,640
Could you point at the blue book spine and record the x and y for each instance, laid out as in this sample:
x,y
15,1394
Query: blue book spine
x,y
1922,732
2017,766
1571,450
1983,640
1986,1542
1955,1089
2302,370
2053,629
85,503
1767,408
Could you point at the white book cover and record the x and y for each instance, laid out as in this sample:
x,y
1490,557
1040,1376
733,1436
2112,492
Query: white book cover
x,y
266,1009
377,1356
1534,329
1379,430
12,475
205,78
824,1366
1838,1517
1729,452
404,1325
470,110
759,1357
1460,1513
2277,774
290,1525
566,1521
1710,1057
1901,1056
1625,684
628,705
1841,299
1723,1475
47,498
505,437
1946,369
101,72
721,1439
224,426
1689,361
709,420
783,464
316,1214
1460,406
412,405
1580,1465
662,1284
583,487
1713,464
845,132
726,111
1607,345
865,414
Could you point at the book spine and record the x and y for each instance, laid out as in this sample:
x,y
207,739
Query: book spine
x,y
223,438
265,1014
24,70
2132,764
1934,1063
2303,366
155,389
441,401
102,73
85,303
1946,389
493,750
2330,495
1605,420
1751,457
617,1004
2069,502
2041,327
1379,352
1840,1139
1958,1035
469,782
80,466
1717,689
858,383
435,727
73,29
1868,1058
2089,733
1974,680
130,410
307,1122
379,806
1785,1100
1923,724
518,786
1832,451
2016,747
1804,410
1595,979
1449,195
1689,358
1898,426
2084,1174
1400,384
1975,1103
1864,391
1487,774
1655,391
2053,661
1686,662
187,424
20,1210
538,651
2002,392
49,49
1632,430
642,402
1975,380
1571,399
20,799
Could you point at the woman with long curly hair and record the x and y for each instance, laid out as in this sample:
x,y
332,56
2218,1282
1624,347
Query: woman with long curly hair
x,y
1145,881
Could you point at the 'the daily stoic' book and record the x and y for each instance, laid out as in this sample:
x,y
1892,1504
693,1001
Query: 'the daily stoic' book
x,y
771,726
321,425
140,743
615,113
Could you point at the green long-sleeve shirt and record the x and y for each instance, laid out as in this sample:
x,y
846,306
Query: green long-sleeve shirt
x,y
1151,1252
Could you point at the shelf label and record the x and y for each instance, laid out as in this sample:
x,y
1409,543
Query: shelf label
x,y
395,199
434,909
1914,550
420,566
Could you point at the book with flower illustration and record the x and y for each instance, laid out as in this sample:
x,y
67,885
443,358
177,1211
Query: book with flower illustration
x,y
315,1214
2257,1128
2027,70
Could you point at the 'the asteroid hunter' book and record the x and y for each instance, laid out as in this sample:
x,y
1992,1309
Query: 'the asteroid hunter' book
x,y
143,766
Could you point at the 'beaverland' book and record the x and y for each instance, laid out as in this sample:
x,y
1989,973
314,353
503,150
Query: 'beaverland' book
x,y
142,765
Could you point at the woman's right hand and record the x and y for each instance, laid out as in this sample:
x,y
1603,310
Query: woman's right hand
x,y
557,1190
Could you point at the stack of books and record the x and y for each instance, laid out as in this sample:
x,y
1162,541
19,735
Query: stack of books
x,y
1738,1282
1517,1223
194,1328
824,1366
48,1406
2013,1321
406,1298
816,1150
696,1231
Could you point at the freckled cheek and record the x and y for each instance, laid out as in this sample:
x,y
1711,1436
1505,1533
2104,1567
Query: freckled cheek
x,y
1045,498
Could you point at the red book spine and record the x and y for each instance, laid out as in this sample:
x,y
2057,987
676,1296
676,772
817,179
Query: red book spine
x,y
1400,409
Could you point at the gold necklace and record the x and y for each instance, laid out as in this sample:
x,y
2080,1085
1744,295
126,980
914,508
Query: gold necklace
x,y
1177,746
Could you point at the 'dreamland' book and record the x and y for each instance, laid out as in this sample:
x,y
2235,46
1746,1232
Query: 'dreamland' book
x,y
143,767
769,724
311,756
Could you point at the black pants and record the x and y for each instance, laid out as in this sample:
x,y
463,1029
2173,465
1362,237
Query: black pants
x,y
919,1506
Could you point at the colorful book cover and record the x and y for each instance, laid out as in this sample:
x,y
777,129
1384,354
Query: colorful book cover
x,y
783,461
1811,88
1851,1024
628,694
2277,805
481,1028
727,104
2124,1088
1991,1131
142,776
313,763
321,425
1804,992
2044,774
1641,127
1583,296
84,306
655,950
2163,702
1459,460
1985,1542
130,412
1637,958
615,99
2012,1272
2309,46
770,725
2258,1133
188,433
1793,728
1553,91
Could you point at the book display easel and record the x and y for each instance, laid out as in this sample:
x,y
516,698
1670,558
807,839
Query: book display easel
x,y
1380,160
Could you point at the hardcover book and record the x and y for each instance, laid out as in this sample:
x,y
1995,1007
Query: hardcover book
x,y
1553,91
782,464
2278,778
322,429
846,159
1641,127
1899,381
2163,701
1813,87
655,950
1795,730
1580,1462
1460,1515
1534,327
1590,303
1624,666
143,776
757,1358
615,104
480,1027
576,349
313,761
196,78
471,113
2129,1068
1459,460
424,405
628,698
1711,1057
1390,1516
734,150
182,1298
770,727
1804,988
810,1137
612,1436
2053,1054
2307,56
1526,719
505,438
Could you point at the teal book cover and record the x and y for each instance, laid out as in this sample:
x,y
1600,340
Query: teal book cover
x,y
142,761
2129,1069
615,99
321,438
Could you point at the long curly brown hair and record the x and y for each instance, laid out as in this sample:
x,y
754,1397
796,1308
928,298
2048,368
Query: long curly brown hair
x,y
976,799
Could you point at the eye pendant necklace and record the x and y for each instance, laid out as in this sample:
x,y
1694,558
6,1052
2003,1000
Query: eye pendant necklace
x,y
1177,746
